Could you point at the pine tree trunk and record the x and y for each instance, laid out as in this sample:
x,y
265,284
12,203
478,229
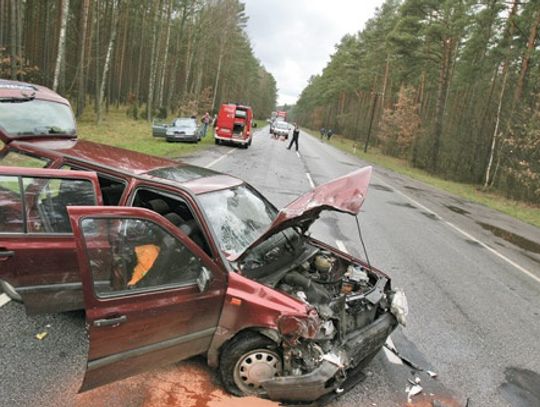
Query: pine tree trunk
x,y
494,138
122,56
165,56
97,56
151,79
218,73
174,74
108,58
13,47
189,59
442,91
139,67
531,43
60,56
20,9
81,88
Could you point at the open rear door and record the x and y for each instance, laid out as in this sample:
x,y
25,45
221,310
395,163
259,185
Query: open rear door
x,y
38,261
160,300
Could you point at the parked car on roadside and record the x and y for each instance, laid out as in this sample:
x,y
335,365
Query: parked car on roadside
x,y
171,260
181,129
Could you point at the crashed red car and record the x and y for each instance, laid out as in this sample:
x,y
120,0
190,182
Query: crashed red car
x,y
174,261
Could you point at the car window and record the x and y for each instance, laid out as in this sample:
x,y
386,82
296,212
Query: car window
x,y
46,200
175,210
112,189
137,255
238,216
11,212
36,117
16,159
185,123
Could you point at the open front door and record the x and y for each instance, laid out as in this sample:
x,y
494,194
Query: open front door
x,y
152,296
38,261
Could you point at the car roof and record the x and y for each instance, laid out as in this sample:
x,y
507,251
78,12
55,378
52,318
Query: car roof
x,y
9,88
196,179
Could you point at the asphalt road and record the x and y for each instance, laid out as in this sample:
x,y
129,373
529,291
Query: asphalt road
x,y
472,277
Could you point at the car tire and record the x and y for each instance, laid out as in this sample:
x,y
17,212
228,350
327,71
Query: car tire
x,y
217,141
245,350
10,291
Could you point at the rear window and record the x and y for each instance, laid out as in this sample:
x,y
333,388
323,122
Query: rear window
x,y
241,114
23,117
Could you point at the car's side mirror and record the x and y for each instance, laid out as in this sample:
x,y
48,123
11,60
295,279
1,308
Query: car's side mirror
x,y
203,281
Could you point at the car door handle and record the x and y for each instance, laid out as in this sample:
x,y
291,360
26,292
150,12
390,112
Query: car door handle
x,y
4,254
113,321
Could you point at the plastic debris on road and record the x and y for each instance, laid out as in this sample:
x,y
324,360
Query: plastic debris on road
x,y
413,391
40,336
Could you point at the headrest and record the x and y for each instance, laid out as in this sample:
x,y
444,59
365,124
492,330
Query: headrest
x,y
174,218
159,206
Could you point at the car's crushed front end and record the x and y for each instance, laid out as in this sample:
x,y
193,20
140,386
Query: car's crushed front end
x,y
352,311
327,312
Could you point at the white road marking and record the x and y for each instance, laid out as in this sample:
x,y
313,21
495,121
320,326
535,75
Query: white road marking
x,y
220,158
341,246
467,235
4,299
392,357
308,175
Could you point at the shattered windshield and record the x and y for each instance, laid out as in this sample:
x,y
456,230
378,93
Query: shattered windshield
x,y
238,216
32,116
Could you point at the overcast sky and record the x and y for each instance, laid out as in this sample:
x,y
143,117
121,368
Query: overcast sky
x,y
295,38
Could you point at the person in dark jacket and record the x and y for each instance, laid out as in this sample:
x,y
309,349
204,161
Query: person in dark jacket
x,y
329,134
295,135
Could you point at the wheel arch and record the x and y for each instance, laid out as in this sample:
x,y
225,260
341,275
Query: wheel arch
x,y
214,353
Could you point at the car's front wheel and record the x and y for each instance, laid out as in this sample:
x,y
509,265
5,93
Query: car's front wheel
x,y
248,360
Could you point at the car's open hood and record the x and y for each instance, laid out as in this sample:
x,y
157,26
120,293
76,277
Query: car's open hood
x,y
344,194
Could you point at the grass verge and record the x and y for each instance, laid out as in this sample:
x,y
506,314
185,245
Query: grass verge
x,y
470,192
118,130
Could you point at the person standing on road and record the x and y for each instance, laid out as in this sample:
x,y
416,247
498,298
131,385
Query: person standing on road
x,y
329,133
295,135
205,121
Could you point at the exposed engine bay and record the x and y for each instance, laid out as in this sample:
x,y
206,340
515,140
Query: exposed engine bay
x,y
345,295
351,311
347,298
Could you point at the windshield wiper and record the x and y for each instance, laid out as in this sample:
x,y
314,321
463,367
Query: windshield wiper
x,y
49,130
19,99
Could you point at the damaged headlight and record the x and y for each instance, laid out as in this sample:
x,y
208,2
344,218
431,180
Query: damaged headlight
x,y
399,306
304,326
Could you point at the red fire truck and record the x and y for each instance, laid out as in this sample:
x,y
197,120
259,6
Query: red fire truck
x,y
282,114
233,125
